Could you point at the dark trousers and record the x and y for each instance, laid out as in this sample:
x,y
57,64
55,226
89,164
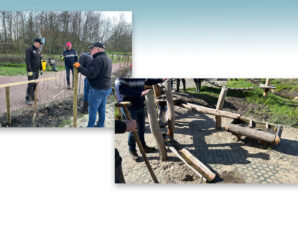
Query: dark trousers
x,y
198,83
31,86
183,82
137,114
68,73
119,178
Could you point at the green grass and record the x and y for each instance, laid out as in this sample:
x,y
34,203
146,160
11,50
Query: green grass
x,y
279,109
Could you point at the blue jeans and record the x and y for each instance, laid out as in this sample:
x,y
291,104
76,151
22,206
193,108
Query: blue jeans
x,y
68,73
86,89
137,114
97,104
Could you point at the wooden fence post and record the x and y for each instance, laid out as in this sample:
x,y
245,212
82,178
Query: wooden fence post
x,y
219,106
35,103
152,115
75,97
8,117
266,90
170,105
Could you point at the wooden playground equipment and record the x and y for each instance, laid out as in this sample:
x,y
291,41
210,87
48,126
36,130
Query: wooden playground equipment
x,y
240,126
7,94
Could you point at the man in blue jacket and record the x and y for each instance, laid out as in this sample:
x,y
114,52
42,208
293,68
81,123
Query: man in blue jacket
x,y
98,72
70,57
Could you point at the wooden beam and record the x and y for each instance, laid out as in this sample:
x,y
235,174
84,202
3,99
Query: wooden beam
x,y
154,126
27,82
8,116
35,104
219,106
170,105
75,97
192,162
210,111
124,105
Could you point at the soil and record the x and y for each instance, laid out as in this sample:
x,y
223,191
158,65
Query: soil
x,y
53,114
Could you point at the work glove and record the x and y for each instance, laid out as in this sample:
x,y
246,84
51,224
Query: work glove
x,y
30,74
62,57
40,73
77,65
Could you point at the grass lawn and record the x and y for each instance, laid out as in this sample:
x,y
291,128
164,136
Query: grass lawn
x,y
280,110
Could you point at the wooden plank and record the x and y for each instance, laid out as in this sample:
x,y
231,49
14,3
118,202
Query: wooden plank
x,y
210,111
170,105
219,106
8,116
27,82
75,97
154,126
190,160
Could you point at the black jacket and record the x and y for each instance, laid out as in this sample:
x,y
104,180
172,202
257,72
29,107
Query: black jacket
x,y
33,59
98,71
70,57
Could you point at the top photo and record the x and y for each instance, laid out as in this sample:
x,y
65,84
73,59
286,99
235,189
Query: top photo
x,y
56,67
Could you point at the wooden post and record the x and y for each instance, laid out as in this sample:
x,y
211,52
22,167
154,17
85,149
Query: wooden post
x,y
8,117
152,115
75,97
219,106
35,103
266,90
191,161
138,140
170,105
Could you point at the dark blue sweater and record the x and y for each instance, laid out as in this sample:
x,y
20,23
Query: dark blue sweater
x,y
130,89
70,57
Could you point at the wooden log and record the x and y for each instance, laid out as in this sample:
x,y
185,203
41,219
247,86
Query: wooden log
x,y
8,116
35,104
124,105
251,133
210,111
154,126
75,97
170,105
27,82
219,106
192,162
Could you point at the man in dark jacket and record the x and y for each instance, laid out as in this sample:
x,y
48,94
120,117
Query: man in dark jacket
x,y
132,90
70,56
98,72
33,63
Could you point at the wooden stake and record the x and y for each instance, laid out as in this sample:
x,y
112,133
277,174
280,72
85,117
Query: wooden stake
x,y
8,117
152,115
75,97
266,90
35,104
219,106
138,140
191,161
170,105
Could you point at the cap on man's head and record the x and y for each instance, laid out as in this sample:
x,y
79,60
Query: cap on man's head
x,y
97,44
38,40
68,44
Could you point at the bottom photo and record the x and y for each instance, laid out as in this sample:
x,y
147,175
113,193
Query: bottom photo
x,y
200,131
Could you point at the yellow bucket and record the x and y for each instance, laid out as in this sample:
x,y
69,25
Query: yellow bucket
x,y
44,65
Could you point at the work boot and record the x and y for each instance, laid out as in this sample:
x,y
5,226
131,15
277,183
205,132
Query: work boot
x,y
85,107
133,154
68,86
148,149
28,101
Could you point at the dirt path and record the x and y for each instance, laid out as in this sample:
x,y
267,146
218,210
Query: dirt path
x,y
48,91
234,161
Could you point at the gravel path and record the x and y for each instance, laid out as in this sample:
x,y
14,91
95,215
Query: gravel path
x,y
244,161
